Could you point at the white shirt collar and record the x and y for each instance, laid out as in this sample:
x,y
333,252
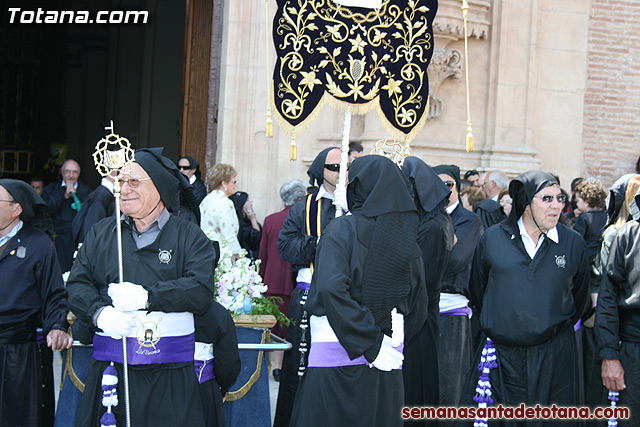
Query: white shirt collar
x,y
107,184
4,239
495,198
452,207
323,193
529,245
192,179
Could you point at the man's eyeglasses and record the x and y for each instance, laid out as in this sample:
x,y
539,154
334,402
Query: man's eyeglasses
x,y
449,184
184,168
134,182
333,167
8,201
547,198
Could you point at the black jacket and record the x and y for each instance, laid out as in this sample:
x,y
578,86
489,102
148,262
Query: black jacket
x,y
98,205
618,312
490,212
524,301
294,245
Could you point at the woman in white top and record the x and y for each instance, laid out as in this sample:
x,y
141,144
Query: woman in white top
x,y
217,212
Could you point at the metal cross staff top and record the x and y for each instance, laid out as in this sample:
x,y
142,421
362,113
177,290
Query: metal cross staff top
x,y
114,157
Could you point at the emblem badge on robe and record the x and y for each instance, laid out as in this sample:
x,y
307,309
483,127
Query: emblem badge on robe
x,y
21,252
164,256
148,335
372,56
560,261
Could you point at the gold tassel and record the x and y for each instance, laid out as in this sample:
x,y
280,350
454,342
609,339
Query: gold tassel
x,y
268,128
293,150
407,148
469,139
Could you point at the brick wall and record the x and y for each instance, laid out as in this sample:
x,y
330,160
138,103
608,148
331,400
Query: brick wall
x,y
612,98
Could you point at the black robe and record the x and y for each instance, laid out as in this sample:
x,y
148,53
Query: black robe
x,y
32,294
489,211
216,327
299,249
161,394
337,396
528,308
62,215
99,204
455,348
420,368
617,325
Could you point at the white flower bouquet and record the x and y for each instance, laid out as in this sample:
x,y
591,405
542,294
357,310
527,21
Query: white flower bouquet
x,y
237,282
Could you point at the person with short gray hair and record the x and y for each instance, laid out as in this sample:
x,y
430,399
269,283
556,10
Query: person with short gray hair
x,y
292,191
276,273
489,210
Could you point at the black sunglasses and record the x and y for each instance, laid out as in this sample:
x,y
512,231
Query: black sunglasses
x,y
547,198
449,184
184,168
333,167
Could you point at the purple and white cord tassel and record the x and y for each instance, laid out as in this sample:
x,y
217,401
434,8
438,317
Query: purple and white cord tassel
x,y
488,361
109,395
614,397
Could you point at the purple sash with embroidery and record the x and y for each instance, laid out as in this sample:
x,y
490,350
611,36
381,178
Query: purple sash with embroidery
x,y
172,349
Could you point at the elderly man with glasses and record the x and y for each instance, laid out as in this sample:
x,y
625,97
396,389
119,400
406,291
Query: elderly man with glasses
x,y
32,296
62,198
168,267
530,286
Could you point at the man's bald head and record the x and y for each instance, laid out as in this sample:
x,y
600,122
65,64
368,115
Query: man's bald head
x,y
70,171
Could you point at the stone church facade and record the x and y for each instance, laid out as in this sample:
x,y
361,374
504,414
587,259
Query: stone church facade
x,y
554,85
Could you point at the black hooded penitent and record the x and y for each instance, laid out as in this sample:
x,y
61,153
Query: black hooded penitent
x,y
452,170
427,189
377,188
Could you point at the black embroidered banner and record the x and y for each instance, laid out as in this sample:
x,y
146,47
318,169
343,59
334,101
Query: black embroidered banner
x,y
358,56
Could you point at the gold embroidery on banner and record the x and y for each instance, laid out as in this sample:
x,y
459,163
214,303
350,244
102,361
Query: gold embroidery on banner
x,y
401,39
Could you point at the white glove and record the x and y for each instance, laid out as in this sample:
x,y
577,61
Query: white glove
x,y
340,198
115,323
388,358
128,296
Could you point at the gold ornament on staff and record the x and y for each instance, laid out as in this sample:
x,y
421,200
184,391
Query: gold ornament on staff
x,y
114,157
391,149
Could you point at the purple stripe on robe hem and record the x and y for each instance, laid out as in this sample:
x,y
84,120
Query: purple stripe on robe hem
x,y
460,311
332,355
40,337
176,349
204,370
577,325
303,285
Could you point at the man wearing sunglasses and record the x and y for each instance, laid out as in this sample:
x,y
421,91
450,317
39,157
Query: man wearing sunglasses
x,y
297,243
455,350
168,267
529,284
